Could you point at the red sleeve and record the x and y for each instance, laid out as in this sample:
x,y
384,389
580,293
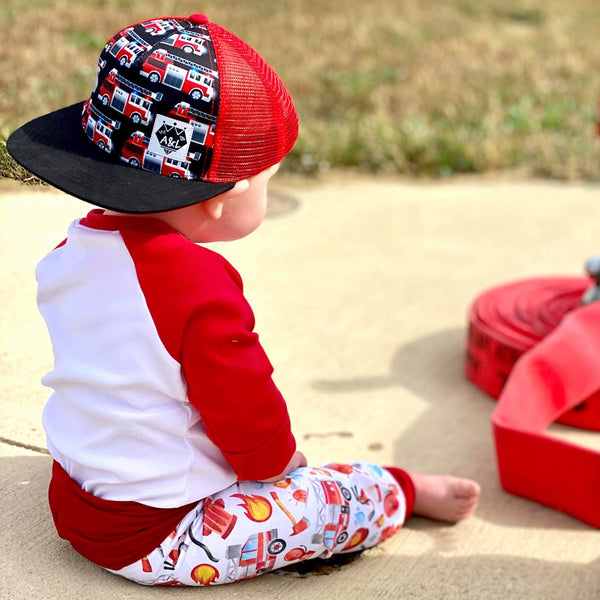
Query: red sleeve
x,y
229,378
196,300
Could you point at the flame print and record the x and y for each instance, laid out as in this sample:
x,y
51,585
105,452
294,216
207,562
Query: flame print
x,y
257,508
359,536
204,574
283,484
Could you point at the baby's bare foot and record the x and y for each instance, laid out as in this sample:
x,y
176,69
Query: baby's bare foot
x,y
444,498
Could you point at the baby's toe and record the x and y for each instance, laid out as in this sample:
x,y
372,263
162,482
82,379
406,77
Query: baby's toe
x,y
466,489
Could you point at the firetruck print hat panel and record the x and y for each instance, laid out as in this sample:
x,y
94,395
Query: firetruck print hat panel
x,y
181,110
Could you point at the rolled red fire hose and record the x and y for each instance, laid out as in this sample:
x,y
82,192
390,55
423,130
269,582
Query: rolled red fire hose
x,y
535,346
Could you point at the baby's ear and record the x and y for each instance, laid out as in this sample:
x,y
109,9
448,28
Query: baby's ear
x,y
239,188
213,207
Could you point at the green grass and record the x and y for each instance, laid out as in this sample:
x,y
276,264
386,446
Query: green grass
x,y
399,87
11,170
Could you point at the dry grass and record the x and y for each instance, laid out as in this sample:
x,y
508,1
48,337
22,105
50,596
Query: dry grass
x,y
392,86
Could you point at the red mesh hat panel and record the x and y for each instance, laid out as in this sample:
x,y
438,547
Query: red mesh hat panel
x,y
257,124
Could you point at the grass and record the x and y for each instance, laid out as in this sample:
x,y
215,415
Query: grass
x,y
390,86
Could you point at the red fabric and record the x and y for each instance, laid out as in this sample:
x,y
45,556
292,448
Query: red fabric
x,y
109,533
408,487
551,378
257,123
231,386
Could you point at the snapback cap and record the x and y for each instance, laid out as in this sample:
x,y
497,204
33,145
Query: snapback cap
x,y
182,109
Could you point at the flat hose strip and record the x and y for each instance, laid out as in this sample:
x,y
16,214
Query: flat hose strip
x,y
533,345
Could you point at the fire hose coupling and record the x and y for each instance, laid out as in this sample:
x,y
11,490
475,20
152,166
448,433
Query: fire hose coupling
x,y
592,268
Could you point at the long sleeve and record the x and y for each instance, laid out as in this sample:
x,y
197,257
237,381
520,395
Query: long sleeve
x,y
230,384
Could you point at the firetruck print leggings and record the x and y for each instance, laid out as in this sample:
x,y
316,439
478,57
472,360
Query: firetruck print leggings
x,y
252,528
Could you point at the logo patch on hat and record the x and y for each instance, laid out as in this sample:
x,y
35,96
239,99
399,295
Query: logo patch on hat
x,y
171,138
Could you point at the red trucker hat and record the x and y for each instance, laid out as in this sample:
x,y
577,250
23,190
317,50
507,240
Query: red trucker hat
x,y
182,109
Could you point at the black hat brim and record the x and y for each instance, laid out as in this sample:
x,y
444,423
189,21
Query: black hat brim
x,y
54,148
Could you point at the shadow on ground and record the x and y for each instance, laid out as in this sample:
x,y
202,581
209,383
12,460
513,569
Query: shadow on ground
x,y
458,416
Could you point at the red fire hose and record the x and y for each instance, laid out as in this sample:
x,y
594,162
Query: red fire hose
x,y
533,345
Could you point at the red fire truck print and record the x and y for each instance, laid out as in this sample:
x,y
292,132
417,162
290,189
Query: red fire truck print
x,y
333,514
126,47
135,102
160,26
135,152
188,42
203,132
121,35
257,555
197,81
98,128
101,65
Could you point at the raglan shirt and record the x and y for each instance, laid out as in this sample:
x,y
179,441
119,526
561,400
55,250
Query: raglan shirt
x,y
163,394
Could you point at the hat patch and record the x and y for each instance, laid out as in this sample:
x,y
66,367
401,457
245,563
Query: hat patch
x,y
171,138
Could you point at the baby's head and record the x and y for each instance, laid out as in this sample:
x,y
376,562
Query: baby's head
x,y
229,216
183,112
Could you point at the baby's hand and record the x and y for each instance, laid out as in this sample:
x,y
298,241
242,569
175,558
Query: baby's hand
x,y
298,460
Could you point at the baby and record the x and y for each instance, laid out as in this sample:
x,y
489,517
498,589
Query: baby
x,y
174,459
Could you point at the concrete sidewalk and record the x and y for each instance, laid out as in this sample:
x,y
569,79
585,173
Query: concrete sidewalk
x,y
360,290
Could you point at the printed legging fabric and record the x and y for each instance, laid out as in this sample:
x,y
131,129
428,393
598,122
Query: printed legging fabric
x,y
252,528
